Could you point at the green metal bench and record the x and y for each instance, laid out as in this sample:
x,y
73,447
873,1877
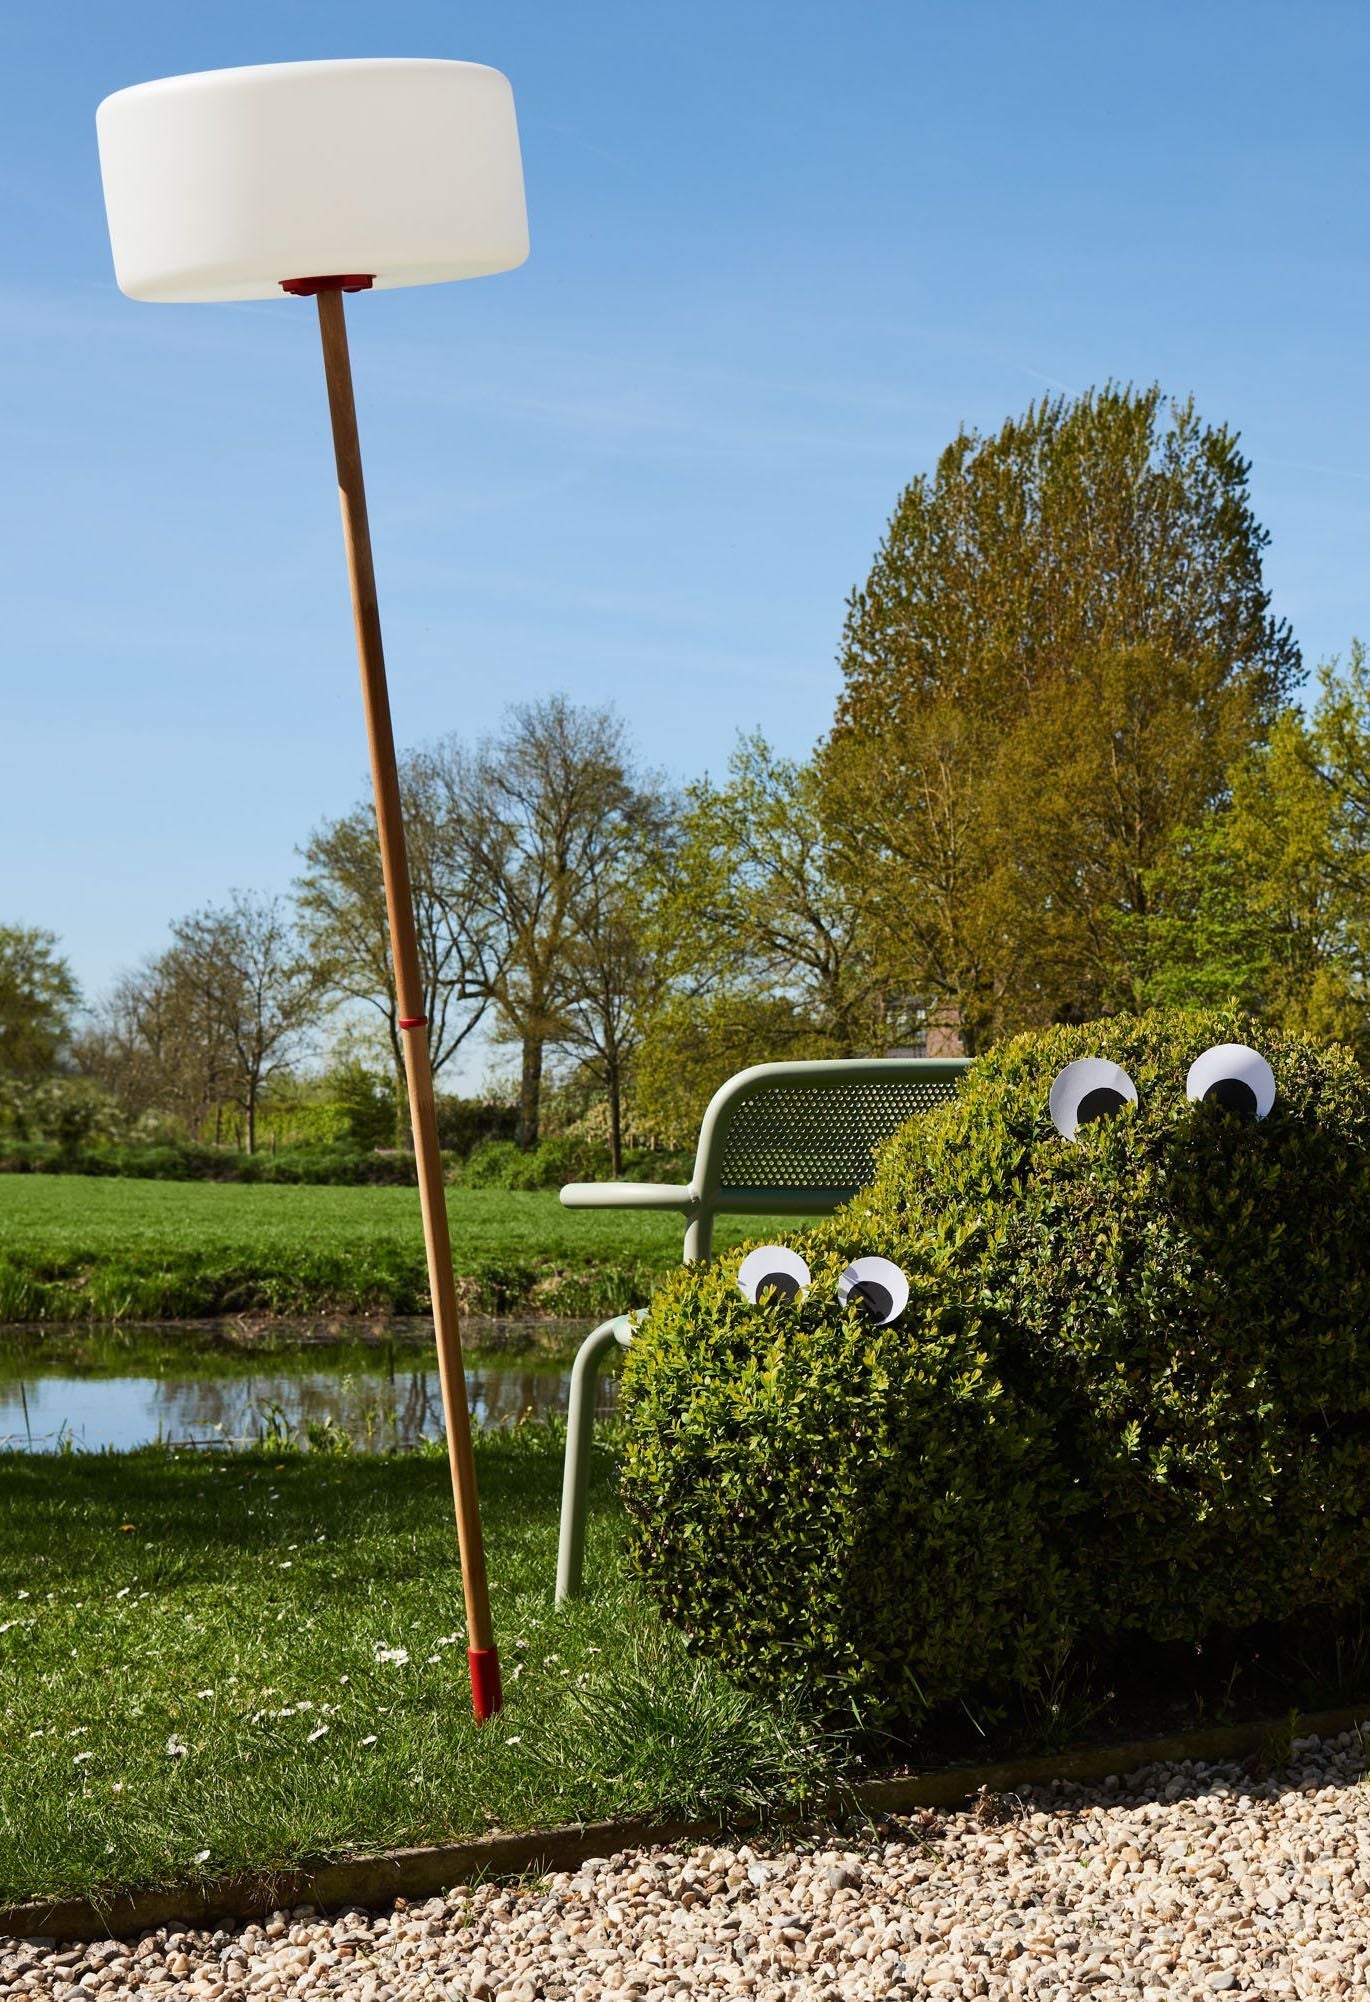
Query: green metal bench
x,y
795,1139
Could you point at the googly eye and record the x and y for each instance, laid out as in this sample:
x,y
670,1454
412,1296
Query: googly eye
x,y
1235,1077
773,1269
1091,1088
877,1287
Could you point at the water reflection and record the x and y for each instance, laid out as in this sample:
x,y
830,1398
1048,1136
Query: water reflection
x,y
397,1404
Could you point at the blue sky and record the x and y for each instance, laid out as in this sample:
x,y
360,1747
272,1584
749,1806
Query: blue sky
x,y
779,253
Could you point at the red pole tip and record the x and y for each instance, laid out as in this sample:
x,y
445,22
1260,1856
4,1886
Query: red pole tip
x,y
486,1695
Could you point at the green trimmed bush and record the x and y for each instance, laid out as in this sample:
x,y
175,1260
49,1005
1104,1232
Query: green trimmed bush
x,y
1129,1397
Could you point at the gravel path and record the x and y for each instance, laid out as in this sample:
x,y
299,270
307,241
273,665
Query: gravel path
x,y
1179,1881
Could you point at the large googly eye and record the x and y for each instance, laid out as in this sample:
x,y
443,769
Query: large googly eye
x,y
773,1269
1231,1075
1091,1088
876,1286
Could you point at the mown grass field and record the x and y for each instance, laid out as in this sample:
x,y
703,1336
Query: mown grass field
x,y
218,1662
76,1247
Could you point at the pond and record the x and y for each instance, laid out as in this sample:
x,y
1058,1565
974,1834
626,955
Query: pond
x,y
89,1389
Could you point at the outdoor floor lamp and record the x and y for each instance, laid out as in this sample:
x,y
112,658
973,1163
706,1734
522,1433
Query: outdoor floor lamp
x,y
317,179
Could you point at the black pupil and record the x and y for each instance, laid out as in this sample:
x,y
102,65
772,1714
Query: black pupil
x,y
873,1298
1101,1103
783,1284
1234,1094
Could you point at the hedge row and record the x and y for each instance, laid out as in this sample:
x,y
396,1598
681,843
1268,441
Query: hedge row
x,y
189,1163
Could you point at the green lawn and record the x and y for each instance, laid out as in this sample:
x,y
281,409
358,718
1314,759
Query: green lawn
x,y
74,1247
217,1662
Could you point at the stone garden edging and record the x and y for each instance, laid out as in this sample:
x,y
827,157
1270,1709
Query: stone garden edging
x,y
423,1872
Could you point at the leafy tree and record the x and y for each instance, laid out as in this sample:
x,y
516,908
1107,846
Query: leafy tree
x,y
38,998
1268,900
762,949
1063,641
1198,943
695,1042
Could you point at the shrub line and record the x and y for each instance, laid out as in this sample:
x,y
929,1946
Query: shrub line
x,y
424,1872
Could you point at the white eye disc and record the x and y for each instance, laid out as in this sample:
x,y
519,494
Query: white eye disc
x,y
773,1269
876,1286
1091,1088
1235,1077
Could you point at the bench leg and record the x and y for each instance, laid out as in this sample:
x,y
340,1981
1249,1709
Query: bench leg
x,y
575,1481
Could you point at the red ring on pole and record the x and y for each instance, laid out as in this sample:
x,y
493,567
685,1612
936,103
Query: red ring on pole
x,y
349,281
413,1021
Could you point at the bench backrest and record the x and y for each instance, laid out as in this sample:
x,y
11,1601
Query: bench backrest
x,y
800,1138
794,1139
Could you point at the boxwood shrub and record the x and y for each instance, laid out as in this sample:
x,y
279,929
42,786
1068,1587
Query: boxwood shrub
x,y
1129,1396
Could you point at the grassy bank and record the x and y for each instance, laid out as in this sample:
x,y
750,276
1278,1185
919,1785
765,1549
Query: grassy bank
x,y
217,1662
77,1248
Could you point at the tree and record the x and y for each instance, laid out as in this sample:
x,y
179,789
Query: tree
x,y
762,948
1082,591
38,998
1268,899
342,903
256,987
550,811
158,1046
1083,801
615,973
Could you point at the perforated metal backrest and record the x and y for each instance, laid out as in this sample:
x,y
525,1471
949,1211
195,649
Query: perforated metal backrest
x,y
818,1134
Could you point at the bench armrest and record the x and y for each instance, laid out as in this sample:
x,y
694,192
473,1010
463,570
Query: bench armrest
x,y
629,1196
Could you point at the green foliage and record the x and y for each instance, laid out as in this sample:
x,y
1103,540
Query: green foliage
x,y
38,996
65,1111
568,1157
764,946
467,1123
350,1107
1268,898
1127,1402
695,1043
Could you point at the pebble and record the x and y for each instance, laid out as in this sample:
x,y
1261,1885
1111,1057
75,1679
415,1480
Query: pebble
x,y
1174,1881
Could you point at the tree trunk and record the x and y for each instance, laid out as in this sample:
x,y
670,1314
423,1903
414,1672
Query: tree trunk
x,y
530,1093
251,1118
615,1124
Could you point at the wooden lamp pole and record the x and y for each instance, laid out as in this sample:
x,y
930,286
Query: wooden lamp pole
x,y
484,1659
400,171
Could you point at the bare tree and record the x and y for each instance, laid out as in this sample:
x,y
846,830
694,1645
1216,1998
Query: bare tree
x,y
153,1045
342,904
549,809
616,971
253,983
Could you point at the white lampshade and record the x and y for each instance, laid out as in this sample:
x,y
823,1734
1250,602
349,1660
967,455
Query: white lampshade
x,y
225,184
